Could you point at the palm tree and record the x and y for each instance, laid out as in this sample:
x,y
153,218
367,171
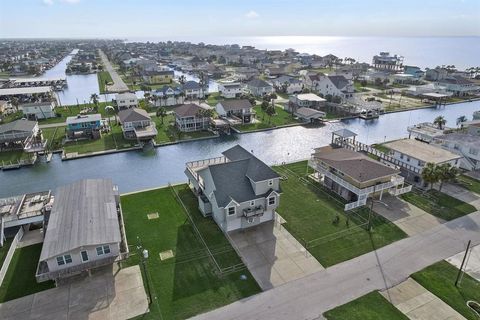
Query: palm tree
x,y
162,113
461,119
440,122
430,174
94,99
446,172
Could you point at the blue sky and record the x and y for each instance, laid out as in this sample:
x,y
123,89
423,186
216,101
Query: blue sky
x,y
148,18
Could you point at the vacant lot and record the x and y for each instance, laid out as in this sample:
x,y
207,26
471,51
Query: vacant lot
x,y
311,213
370,306
438,203
439,279
186,284
20,278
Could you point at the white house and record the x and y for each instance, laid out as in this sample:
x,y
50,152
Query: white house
x,y
259,88
337,86
230,90
193,90
38,110
126,100
168,96
240,108
305,100
288,84
237,190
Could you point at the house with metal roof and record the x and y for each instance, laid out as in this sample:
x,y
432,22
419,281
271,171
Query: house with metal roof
x,y
354,176
237,190
239,108
190,117
84,230
84,126
137,124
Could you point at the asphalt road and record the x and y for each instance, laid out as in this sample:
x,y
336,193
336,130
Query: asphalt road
x,y
309,297
118,84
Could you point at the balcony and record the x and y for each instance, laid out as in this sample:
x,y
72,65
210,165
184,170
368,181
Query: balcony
x,y
194,166
253,212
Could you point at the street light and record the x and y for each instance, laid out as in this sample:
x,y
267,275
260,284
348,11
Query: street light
x,y
369,227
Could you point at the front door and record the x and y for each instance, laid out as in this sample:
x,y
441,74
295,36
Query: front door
x,y
84,255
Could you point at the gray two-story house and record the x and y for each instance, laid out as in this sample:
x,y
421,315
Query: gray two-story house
x,y
237,190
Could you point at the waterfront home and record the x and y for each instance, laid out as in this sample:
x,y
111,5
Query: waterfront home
x,y
126,100
426,131
309,115
230,90
465,143
84,126
287,84
38,110
83,230
354,176
335,86
403,78
259,88
413,155
459,86
415,71
241,109
167,96
157,76
237,190
385,61
436,74
193,90
307,100
21,134
421,90
190,117
137,124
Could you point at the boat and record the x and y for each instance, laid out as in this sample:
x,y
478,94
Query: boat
x,y
369,114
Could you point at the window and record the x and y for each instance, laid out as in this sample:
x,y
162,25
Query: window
x,y
250,220
271,201
65,259
84,255
270,182
231,211
401,155
103,250
252,203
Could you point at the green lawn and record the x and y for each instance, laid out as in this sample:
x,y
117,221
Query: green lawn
x,y
469,183
73,110
168,133
310,212
4,250
103,77
438,203
54,137
13,156
281,118
185,285
11,117
20,278
371,306
439,279
381,148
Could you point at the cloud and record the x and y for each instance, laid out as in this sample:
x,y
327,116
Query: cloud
x,y
252,15
48,2
51,2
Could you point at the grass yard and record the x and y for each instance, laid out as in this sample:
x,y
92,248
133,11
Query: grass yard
x,y
103,78
20,278
73,110
381,148
310,212
4,250
186,284
469,183
439,279
281,118
11,117
54,137
369,307
438,203
168,133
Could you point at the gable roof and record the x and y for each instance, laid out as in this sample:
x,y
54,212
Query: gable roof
x,y
134,114
84,213
339,81
191,85
187,110
257,170
258,83
18,125
353,164
229,105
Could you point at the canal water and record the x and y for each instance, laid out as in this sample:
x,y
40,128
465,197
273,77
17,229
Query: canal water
x,y
137,170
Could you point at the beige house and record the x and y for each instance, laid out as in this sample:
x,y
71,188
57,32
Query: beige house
x,y
137,124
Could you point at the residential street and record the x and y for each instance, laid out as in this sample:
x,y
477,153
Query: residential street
x,y
309,297
118,84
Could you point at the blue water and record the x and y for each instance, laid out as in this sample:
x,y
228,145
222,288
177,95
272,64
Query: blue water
x,y
137,170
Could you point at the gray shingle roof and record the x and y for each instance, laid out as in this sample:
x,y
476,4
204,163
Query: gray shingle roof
x,y
18,125
191,85
187,110
256,170
134,114
339,81
84,213
229,105
258,83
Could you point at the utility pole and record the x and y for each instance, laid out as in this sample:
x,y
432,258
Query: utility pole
x,y
460,271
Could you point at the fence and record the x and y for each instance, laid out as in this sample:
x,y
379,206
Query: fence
x,y
11,251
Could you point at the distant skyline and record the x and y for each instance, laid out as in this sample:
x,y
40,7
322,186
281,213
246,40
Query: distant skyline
x,y
187,18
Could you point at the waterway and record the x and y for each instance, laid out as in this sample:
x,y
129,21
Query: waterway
x,y
137,170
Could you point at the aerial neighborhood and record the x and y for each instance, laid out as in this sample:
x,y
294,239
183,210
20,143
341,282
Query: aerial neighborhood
x,y
175,180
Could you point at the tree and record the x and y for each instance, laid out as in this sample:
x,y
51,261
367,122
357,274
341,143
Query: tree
x,y
264,107
329,97
461,119
270,112
336,99
182,79
161,113
446,172
440,122
94,99
430,174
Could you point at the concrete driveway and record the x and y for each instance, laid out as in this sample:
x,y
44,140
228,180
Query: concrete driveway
x,y
416,302
108,294
411,219
273,255
472,263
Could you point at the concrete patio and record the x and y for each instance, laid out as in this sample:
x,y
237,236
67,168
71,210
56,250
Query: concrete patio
x,y
416,302
411,219
273,255
109,293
